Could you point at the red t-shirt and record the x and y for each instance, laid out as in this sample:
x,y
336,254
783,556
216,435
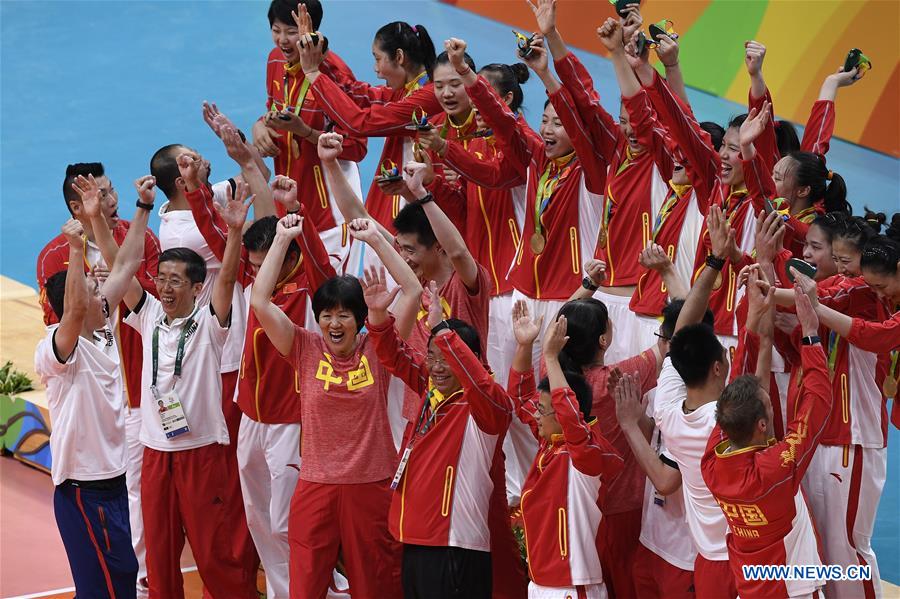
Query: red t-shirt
x,y
626,491
346,436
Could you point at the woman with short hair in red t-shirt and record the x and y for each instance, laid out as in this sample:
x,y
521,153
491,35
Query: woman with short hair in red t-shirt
x,y
348,456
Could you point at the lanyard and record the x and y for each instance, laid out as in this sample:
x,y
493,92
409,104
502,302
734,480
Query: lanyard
x,y
445,128
304,89
729,209
179,355
833,343
434,412
547,185
664,213
807,215
629,160
416,83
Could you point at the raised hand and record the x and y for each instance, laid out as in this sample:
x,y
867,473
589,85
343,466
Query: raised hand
x,y
302,19
770,231
632,22
215,119
364,229
596,271
610,34
544,14
755,123
311,55
806,313
721,235
635,61
754,54
73,231
284,191
435,309
654,258
375,290
525,328
846,78
416,174
760,296
289,226
555,339
667,51
806,285
189,168
538,61
329,146
89,191
234,213
236,148
456,53
146,189
629,405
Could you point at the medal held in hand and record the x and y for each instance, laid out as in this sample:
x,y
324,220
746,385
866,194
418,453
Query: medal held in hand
x,y
524,44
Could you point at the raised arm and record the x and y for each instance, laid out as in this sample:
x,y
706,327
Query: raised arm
x,y
243,154
721,236
767,144
347,201
653,257
589,451
406,308
121,283
820,125
667,52
277,325
234,213
75,301
445,231
630,409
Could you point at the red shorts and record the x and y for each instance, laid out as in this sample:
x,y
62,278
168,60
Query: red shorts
x,y
655,578
617,541
713,580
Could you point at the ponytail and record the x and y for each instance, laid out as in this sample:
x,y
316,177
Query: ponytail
x,y
506,78
587,321
412,39
875,220
786,138
824,185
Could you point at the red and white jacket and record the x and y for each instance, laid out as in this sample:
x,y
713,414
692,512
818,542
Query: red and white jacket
x,y
493,191
632,180
268,386
55,258
560,497
758,489
456,459
571,218
284,85
378,111
680,214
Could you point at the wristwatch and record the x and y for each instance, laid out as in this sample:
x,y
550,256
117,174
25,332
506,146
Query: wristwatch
x,y
440,327
425,199
588,284
147,207
715,262
811,340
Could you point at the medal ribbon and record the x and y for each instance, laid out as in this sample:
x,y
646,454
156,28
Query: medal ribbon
x,y
416,83
833,344
547,185
664,213
179,355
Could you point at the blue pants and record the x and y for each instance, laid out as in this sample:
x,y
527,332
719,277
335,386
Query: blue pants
x,y
95,531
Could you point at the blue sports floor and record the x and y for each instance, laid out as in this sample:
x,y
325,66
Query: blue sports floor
x,y
84,81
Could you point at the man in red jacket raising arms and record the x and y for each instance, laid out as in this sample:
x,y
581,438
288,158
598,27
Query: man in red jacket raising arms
x,y
757,481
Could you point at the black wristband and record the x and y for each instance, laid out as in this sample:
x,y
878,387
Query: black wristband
x,y
424,200
297,211
440,327
811,340
147,207
715,263
588,284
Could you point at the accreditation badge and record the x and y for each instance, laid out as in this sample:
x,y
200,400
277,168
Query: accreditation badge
x,y
171,414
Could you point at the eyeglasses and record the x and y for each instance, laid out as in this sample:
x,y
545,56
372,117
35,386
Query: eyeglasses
x,y
173,283
542,411
663,337
433,362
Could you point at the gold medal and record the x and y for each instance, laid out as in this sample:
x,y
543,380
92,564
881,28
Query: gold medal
x,y
538,243
890,386
601,237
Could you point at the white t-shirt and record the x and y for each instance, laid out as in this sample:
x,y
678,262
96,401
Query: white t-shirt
x,y
200,386
686,436
178,228
84,394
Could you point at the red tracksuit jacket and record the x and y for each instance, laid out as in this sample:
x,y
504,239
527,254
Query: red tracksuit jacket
x,y
560,496
283,88
268,387
456,457
570,219
758,489
55,258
